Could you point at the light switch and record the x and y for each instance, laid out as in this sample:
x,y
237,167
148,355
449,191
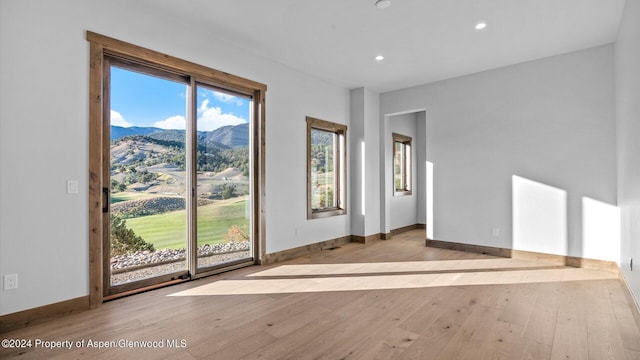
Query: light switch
x,y
72,186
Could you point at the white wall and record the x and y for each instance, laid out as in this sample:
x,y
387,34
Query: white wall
x,y
44,134
357,163
403,209
372,162
628,120
364,166
550,121
421,167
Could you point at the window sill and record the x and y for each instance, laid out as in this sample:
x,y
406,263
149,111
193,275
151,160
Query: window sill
x,y
402,193
325,213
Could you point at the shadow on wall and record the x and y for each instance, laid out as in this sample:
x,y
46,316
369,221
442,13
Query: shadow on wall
x,y
540,222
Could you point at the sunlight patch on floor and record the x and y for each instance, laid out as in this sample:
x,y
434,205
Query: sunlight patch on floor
x,y
397,267
389,282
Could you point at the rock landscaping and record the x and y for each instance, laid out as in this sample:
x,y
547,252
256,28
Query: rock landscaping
x,y
142,264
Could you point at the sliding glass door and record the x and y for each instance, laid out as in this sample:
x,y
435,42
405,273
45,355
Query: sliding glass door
x,y
223,177
179,175
147,173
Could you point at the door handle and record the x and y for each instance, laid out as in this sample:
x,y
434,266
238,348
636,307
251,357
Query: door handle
x,y
105,200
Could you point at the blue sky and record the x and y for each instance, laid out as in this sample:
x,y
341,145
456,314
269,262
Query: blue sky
x,y
148,101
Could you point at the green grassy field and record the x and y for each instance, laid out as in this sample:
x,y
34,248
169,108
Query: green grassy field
x,y
168,230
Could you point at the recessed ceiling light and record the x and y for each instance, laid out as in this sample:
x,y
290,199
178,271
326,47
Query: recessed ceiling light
x,y
379,57
481,26
383,4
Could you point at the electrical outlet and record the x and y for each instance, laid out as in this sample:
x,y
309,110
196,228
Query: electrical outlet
x,y
11,281
495,231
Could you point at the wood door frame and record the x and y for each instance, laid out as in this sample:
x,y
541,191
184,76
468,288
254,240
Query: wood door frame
x,y
102,46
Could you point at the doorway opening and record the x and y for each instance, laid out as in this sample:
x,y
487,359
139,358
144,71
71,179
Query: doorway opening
x,y
407,176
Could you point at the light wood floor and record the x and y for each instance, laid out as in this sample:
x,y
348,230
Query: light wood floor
x,y
393,299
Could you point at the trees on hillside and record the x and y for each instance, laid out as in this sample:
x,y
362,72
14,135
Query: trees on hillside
x,y
125,240
227,190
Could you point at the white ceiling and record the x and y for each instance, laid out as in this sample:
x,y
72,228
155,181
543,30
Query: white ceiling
x,y
422,40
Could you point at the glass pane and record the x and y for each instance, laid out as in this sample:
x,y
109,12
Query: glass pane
x,y
147,176
324,159
223,177
398,165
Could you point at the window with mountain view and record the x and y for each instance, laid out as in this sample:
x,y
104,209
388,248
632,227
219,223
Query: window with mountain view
x,y
402,164
326,168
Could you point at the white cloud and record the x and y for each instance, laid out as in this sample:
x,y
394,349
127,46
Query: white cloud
x,y
177,122
209,118
226,98
212,118
118,120
204,106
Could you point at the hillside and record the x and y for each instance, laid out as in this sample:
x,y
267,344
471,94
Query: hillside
x,y
133,154
118,132
233,136
225,137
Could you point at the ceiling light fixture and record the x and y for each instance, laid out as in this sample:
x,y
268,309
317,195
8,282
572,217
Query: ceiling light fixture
x,y
379,58
383,4
481,26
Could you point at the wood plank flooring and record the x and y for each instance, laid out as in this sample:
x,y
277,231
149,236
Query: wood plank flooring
x,y
393,299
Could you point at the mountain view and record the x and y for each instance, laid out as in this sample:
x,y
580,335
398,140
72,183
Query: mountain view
x,y
230,136
148,189
152,181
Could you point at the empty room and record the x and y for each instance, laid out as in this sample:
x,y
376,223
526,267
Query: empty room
x,y
371,179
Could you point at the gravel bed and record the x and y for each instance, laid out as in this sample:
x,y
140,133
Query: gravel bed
x,y
144,264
